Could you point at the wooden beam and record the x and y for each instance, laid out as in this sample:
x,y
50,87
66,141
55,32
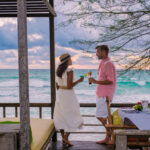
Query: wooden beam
x,y
10,1
52,64
87,132
50,7
35,8
133,132
3,15
81,105
31,104
23,76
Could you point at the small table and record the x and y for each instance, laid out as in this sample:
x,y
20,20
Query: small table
x,y
140,119
9,136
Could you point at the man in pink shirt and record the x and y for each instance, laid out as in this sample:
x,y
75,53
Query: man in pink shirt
x,y
106,86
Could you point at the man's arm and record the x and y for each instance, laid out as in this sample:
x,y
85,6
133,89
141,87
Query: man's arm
x,y
109,73
105,82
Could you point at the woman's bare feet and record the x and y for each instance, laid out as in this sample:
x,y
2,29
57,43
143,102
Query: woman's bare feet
x,y
66,137
70,144
65,141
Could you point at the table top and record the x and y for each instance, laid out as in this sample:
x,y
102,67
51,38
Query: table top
x,y
140,119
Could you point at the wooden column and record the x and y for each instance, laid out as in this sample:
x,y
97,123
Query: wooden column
x,y
121,142
23,76
52,64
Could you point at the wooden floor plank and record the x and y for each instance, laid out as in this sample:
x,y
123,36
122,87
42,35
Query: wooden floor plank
x,y
78,145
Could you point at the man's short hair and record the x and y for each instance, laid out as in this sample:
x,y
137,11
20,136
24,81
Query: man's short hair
x,y
103,47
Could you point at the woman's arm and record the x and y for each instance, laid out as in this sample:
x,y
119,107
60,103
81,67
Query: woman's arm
x,y
57,86
70,83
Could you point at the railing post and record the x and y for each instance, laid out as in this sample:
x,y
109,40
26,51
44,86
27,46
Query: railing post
x,y
40,112
4,111
16,111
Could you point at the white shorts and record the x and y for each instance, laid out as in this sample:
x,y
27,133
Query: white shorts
x,y
101,108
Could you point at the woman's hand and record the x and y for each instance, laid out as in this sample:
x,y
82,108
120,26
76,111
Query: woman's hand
x,y
81,79
70,83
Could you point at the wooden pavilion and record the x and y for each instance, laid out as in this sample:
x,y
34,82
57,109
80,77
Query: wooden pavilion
x,y
23,9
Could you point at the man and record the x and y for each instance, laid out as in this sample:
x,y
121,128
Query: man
x,y
106,85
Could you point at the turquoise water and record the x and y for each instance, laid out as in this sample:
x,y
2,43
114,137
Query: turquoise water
x,y
132,87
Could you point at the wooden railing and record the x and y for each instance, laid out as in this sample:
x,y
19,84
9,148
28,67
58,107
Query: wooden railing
x,y
49,105
41,105
16,105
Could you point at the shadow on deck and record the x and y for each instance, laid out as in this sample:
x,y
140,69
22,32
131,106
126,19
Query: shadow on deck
x,y
78,145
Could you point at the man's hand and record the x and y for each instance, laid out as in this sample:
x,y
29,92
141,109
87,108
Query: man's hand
x,y
92,80
105,82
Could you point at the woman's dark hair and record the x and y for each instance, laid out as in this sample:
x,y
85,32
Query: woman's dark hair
x,y
61,69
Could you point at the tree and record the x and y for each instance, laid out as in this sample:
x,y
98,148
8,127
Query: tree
x,y
123,24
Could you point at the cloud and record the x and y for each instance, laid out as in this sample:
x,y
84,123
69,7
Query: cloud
x,y
7,21
11,60
11,21
8,53
39,57
34,37
35,49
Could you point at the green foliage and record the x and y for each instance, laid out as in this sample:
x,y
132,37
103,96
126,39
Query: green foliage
x,y
112,27
124,25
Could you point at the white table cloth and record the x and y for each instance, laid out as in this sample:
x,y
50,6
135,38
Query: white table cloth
x,y
140,119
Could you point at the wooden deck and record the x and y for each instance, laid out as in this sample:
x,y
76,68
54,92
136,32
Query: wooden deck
x,y
78,145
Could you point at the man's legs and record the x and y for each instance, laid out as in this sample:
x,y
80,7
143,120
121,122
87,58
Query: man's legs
x,y
107,138
101,115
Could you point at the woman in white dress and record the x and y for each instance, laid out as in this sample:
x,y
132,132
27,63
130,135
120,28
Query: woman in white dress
x,y
67,116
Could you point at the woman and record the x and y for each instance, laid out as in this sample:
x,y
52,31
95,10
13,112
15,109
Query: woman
x,y
67,116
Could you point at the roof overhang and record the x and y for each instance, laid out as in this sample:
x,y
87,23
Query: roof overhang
x,y
35,8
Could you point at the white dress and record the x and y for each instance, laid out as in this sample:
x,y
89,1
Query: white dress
x,y
67,109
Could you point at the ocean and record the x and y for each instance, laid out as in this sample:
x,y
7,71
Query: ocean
x,y
131,87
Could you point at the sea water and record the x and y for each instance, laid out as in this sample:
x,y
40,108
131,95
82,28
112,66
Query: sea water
x,y
130,87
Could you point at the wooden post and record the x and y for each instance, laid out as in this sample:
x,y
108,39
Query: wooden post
x,y
52,64
4,112
16,111
40,112
108,110
121,142
23,76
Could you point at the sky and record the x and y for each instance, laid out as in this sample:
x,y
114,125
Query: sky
x,y
38,43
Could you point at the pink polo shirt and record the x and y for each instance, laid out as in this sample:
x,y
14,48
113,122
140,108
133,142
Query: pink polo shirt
x,y
106,71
